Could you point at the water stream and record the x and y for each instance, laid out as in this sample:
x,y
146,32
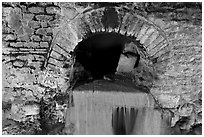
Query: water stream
x,y
138,121
113,112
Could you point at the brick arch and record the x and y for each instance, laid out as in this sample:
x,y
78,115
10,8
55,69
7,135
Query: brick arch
x,y
154,43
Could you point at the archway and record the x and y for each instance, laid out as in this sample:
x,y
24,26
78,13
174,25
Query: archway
x,y
90,26
154,45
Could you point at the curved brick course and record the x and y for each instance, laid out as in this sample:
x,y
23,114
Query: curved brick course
x,y
38,37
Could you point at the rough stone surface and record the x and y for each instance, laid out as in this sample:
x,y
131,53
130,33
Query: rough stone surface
x,y
32,30
36,10
44,17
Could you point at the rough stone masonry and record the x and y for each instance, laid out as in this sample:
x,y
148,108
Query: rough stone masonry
x,y
38,38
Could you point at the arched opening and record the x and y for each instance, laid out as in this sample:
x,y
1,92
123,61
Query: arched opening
x,y
100,53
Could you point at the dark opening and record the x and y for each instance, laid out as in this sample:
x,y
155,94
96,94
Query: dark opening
x,y
100,53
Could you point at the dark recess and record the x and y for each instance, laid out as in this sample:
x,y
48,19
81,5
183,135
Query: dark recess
x,y
100,53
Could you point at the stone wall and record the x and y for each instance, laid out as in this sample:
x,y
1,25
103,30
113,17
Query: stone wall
x,y
181,85
28,88
38,38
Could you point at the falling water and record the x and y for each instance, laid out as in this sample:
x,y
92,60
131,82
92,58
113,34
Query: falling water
x,y
115,112
138,121
123,120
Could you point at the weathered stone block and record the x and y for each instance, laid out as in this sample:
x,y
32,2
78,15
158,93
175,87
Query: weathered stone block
x,y
53,10
19,111
152,38
148,33
39,57
55,62
47,38
35,38
69,12
24,37
44,44
44,3
5,44
49,30
6,4
54,23
44,31
161,23
57,17
24,8
6,29
44,24
157,41
8,37
137,27
6,11
31,45
18,63
41,31
17,44
34,24
28,17
36,9
169,101
15,20
142,31
28,30
44,17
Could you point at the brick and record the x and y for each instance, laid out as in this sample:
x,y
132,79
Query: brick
x,y
44,3
28,17
47,38
56,62
49,30
148,33
44,24
44,17
6,11
44,44
137,27
17,44
23,8
54,23
44,31
39,57
160,23
69,12
28,30
142,31
53,10
153,37
31,45
19,63
34,24
25,57
20,31
169,101
35,38
6,4
5,44
6,29
24,37
57,16
41,31
15,20
9,37
36,9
